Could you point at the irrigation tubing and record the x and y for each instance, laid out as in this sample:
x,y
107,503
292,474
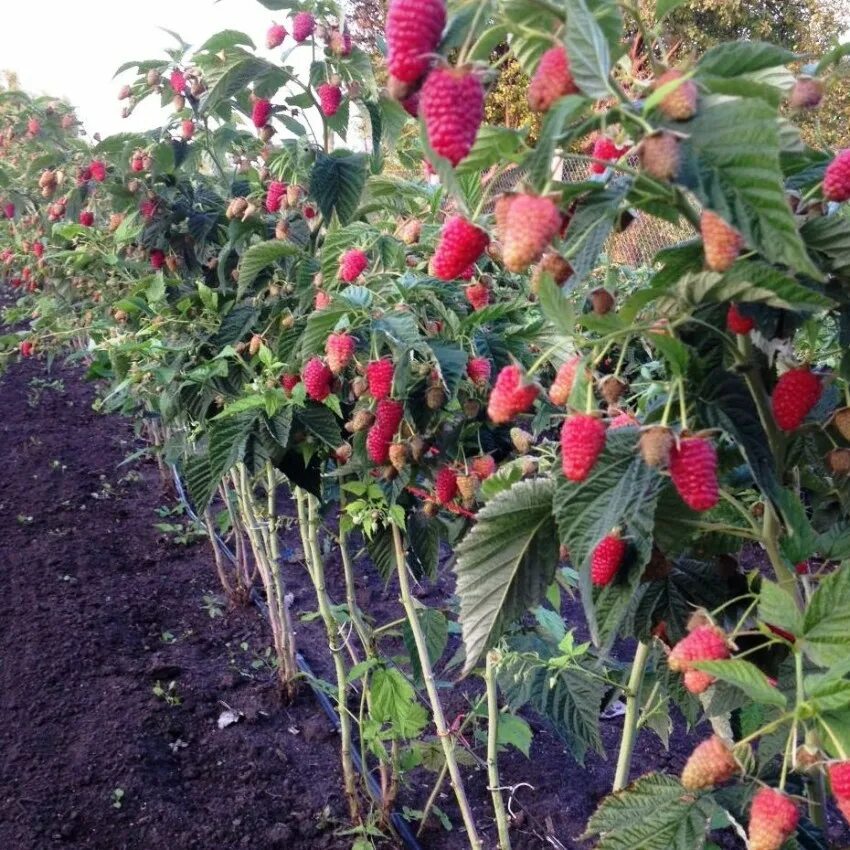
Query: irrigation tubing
x,y
400,824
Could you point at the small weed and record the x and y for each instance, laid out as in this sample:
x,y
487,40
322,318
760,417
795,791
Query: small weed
x,y
214,605
23,519
183,533
117,798
39,386
168,694
168,637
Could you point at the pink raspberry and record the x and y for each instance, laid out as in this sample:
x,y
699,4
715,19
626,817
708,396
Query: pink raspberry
x,y
445,485
413,32
551,80
388,415
317,378
836,178
98,171
773,819
275,36
478,369
177,81
275,195
478,295
289,381
330,97
605,148
261,112
704,643
303,26
562,386
452,107
339,349
510,396
607,558
796,392
352,264
460,244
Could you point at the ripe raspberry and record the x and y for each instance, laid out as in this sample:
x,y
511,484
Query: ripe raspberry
x,y
27,348
157,258
289,381
737,322
33,126
261,112
562,386
9,211
551,80
275,195
526,224
388,416
460,244
582,441
510,396
445,485
378,445
656,443
379,376
709,764
624,419
413,32
704,643
177,81
352,264
483,467
478,369
86,218
321,300
839,780
693,469
773,819
303,25
452,106
722,243
98,171
796,392
478,295
330,97
836,178
660,156
339,349
607,558
806,94
411,106
605,149
38,249
681,103
275,36
317,379
187,129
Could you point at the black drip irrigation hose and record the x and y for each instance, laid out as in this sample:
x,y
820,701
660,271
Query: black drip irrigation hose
x,y
398,821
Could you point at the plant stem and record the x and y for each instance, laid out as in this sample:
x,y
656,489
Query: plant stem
x,y
815,789
433,696
627,744
493,749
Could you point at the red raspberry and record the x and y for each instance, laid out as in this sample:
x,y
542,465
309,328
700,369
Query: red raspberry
x,y
352,264
413,32
737,322
605,149
27,348
796,392
445,485
187,129
33,126
38,249
275,195
388,416
379,377
157,258
839,779
704,643
773,819
9,211
721,242
582,441
562,386
147,208
330,97
303,25
289,381
551,80
261,112
275,36
461,243
378,445
624,419
452,106
660,156
681,103
510,396
693,469
478,369
483,467
478,295
98,171
317,379
177,81
709,764
86,218
339,349
607,558
321,300
526,224
836,178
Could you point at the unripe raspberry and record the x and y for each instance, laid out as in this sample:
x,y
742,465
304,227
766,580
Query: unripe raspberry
x,y
398,455
330,97
806,94
445,485
838,461
361,420
410,231
704,643
352,264
451,104
321,300
510,396
721,242
607,558
836,178
388,415
303,26
582,441
551,80
413,32
693,469
460,244
773,819
709,764
681,103
261,112
467,488
339,349
841,420
478,295
737,322
553,264
483,467
275,36
660,156
478,369
379,376
605,149
522,441
656,443
612,389
601,301
526,224
796,392
317,379
562,386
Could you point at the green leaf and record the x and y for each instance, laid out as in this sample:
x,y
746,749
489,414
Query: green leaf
x,y
505,564
225,39
513,731
394,703
555,305
321,422
826,623
337,181
665,7
234,80
747,677
435,627
587,47
734,58
828,238
778,608
261,255
539,164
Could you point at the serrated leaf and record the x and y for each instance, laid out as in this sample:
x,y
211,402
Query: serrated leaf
x,y
734,58
555,306
423,539
234,80
828,237
778,608
435,627
513,731
225,39
261,255
745,676
394,703
826,623
337,181
587,47
320,421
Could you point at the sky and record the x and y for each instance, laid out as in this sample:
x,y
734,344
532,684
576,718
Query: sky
x,y
72,49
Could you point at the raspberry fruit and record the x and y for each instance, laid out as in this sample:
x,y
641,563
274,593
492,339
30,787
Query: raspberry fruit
x,y
656,443
839,780
483,467
445,485
378,444
452,106
660,156
605,149
339,349
461,243
275,195
562,386
526,224
773,819
681,103
478,369
838,461
379,377
551,80
582,441
398,455
86,218
478,295
187,129
157,258
709,764
722,243
607,558
601,301
693,469
321,300
289,381
98,171
352,264
330,97
841,420
413,32
317,379
388,416
836,178
704,643
737,322
275,36
303,25
796,392
553,264
510,396
177,80
261,112
806,94
624,419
